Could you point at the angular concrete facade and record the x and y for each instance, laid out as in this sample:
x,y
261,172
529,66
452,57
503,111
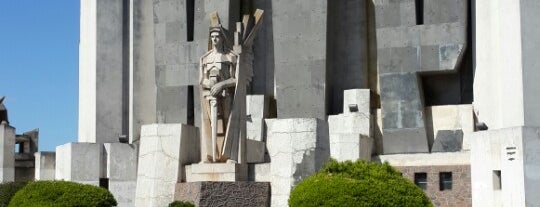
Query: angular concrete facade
x,y
413,39
103,95
345,79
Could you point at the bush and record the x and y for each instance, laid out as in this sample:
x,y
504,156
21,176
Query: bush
x,y
7,190
357,183
62,193
181,204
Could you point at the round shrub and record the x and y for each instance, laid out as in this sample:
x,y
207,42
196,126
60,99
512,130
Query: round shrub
x,y
357,183
181,204
7,190
62,193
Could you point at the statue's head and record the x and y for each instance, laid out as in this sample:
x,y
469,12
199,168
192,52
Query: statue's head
x,y
216,37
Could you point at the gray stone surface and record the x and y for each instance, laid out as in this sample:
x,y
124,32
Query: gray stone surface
x,y
7,146
45,165
177,59
164,150
103,76
79,162
347,49
255,151
263,49
224,193
300,65
257,111
350,147
448,141
121,170
143,90
297,149
221,172
123,192
405,140
404,49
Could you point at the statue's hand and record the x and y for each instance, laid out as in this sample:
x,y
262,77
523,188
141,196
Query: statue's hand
x,y
206,83
216,89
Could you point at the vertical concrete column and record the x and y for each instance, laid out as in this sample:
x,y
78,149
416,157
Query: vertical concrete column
x,y
102,105
300,58
143,91
7,151
507,57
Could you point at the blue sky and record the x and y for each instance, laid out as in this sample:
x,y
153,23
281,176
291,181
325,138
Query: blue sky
x,y
39,67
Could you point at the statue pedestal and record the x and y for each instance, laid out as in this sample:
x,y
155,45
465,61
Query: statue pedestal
x,y
239,193
217,172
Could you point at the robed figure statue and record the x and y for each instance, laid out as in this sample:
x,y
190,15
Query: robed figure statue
x,y
224,74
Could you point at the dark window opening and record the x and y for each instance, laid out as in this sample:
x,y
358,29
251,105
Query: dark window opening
x,y
419,6
420,179
497,184
104,183
190,17
191,107
445,181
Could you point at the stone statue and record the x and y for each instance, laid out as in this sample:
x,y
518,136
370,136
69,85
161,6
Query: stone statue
x,y
223,77
3,111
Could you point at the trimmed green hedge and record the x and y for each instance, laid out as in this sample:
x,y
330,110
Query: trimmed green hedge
x,y
357,183
8,190
62,193
181,204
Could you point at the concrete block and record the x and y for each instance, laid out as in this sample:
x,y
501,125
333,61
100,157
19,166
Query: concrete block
x,y
79,162
224,193
45,165
450,118
256,151
357,123
123,192
121,162
257,110
7,147
401,101
219,172
405,140
350,147
448,141
121,170
164,151
297,149
259,172
358,97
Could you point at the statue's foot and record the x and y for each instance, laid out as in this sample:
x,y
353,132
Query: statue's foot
x,y
229,161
